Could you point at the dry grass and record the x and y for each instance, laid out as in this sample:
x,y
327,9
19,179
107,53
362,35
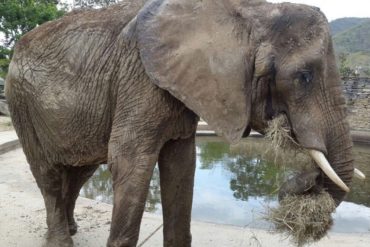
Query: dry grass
x,y
305,218
279,133
283,147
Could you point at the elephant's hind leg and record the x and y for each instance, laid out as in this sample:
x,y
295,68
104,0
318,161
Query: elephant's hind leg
x,y
60,186
76,177
177,167
51,180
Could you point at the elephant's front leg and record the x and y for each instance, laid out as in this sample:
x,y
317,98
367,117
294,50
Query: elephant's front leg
x,y
131,168
177,166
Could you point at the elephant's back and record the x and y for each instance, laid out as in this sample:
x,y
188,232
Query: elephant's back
x,y
69,43
64,75
99,21
75,55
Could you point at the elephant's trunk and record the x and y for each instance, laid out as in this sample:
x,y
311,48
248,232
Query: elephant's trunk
x,y
336,175
331,149
339,148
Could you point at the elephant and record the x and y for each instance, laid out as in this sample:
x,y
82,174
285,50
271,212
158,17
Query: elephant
x,y
127,84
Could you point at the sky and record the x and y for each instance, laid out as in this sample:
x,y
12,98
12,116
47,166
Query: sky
x,y
334,9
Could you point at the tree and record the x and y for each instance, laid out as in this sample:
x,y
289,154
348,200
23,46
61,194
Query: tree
x,y
5,54
18,17
344,69
93,3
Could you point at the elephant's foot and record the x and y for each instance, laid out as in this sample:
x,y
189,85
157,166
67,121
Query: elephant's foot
x,y
57,239
179,243
122,242
72,228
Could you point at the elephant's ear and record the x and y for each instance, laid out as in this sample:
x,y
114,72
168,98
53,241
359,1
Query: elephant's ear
x,y
195,50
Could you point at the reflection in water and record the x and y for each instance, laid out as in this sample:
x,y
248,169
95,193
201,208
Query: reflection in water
x,y
250,175
233,181
99,187
154,195
360,190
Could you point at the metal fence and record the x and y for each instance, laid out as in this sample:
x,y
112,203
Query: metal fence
x,y
356,87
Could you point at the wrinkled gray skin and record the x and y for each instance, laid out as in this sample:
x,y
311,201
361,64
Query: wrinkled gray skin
x,y
126,84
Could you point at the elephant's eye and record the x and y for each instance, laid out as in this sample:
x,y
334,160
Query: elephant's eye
x,y
306,76
303,82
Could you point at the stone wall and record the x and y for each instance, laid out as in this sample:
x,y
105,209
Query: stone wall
x,y
357,92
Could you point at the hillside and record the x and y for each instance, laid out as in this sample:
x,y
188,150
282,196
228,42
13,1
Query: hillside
x,y
351,36
343,24
355,39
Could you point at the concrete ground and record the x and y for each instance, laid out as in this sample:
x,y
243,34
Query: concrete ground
x,y
22,217
5,123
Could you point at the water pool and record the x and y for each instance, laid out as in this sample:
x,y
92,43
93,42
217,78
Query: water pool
x,y
235,184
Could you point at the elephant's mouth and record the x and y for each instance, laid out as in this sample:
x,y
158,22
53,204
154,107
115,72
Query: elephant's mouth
x,y
308,181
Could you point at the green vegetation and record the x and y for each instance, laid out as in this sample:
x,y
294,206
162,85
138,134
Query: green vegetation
x,y
94,3
5,54
351,38
355,39
344,67
343,24
18,17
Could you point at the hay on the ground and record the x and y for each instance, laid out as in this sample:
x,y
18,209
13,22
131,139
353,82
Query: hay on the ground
x,y
304,218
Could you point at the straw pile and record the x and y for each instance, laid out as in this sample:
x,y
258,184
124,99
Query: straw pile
x,y
305,218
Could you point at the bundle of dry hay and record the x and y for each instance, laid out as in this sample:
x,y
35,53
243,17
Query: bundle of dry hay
x,y
304,218
284,148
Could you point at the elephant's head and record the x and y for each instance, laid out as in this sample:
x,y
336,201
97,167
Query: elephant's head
x,y
239,64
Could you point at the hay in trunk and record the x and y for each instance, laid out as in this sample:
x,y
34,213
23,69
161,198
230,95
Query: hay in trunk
x,y
278,131
304,218
283,145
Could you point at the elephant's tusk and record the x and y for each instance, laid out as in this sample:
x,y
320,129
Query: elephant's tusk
x,y
359,174
323,163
